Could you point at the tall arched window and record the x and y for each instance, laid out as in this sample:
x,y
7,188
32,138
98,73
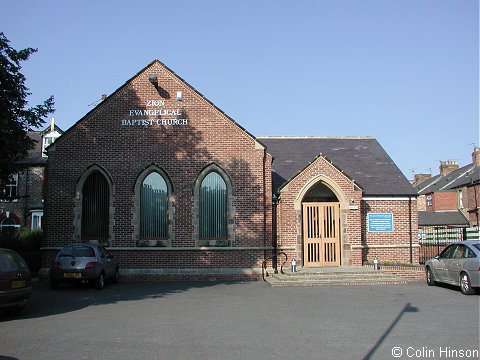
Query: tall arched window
x,y
213,207
153,210
95,207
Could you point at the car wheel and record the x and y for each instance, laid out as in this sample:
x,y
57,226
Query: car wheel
x,y
116,277
53,284
100,282
430,278
465,285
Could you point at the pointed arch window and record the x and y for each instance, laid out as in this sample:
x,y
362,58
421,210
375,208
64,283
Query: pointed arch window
x,y
213,207
154,207
95,207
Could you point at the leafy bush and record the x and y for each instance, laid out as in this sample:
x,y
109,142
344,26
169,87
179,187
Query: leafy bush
x,y
28,245
27,240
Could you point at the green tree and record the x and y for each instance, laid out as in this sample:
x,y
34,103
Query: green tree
x,y
15,118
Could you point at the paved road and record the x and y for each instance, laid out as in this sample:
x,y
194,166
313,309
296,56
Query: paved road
x,y
241,320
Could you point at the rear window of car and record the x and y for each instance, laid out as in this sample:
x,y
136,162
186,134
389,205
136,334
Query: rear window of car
x,y
78,251
477,246
10,261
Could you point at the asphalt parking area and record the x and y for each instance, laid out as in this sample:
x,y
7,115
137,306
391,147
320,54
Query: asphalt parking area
x,y
241,320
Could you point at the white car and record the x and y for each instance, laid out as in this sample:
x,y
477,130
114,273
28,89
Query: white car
x,y
458,264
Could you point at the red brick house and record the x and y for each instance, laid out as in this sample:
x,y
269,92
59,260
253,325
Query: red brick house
x,y
177,189
467,186
453,189
450,199
23,204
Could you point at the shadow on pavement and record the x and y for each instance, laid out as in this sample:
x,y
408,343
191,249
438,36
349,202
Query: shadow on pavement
x,y
408,308
72,297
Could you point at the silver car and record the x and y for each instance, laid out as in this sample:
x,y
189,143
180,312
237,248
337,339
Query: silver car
x,y
458,264
83,263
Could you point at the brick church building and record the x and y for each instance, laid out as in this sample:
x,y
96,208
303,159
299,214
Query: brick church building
x,y
178,190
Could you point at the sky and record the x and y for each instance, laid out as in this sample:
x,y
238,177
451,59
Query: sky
x,y
403,71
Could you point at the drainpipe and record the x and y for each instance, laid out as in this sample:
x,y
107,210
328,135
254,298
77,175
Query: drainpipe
x,y
25,210
476,200
264,201
410,225
274,230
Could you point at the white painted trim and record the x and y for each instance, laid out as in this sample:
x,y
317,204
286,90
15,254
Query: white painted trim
x,y
314,137
286,248
386,246
204,248
367,198
445,187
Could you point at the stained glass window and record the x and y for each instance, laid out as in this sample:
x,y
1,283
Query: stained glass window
x,y
154,195
213,207
95,207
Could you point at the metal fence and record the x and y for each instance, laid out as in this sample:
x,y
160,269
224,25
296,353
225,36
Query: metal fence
x,y
433,240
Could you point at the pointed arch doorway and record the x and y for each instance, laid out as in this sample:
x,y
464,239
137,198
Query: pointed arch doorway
x,y
321,227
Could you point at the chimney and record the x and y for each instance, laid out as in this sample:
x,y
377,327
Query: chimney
x,y
419,178
476,156
446,167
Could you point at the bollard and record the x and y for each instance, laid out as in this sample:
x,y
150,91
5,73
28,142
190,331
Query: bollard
x,y
294,265
375,263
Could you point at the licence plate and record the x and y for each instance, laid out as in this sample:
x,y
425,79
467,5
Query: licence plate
x,y
72,275
18,284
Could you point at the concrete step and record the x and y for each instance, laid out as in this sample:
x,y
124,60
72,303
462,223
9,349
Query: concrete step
x,y
333,276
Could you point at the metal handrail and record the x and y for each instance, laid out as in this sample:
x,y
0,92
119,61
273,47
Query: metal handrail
x,y
264,264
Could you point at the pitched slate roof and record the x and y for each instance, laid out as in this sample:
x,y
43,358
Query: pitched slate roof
x,y
442,218
420,187
34,156
471,176
456,178
361,158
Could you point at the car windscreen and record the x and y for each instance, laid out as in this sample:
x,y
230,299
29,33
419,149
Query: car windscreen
x,y
78,251
11,262
477,246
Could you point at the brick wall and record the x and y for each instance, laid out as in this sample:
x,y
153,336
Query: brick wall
x,y
289,220
471,199
357,244
445,200
421,203
409,273
29,193
122,145
391,246
182,152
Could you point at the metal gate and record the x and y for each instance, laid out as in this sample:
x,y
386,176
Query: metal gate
x,y
321,234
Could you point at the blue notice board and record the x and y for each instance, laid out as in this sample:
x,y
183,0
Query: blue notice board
x,y
380,222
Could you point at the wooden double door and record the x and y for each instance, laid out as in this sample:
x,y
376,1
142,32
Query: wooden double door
x,y
321,234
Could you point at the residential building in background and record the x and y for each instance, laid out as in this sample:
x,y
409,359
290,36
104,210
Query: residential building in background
x,y
23,206
448,202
